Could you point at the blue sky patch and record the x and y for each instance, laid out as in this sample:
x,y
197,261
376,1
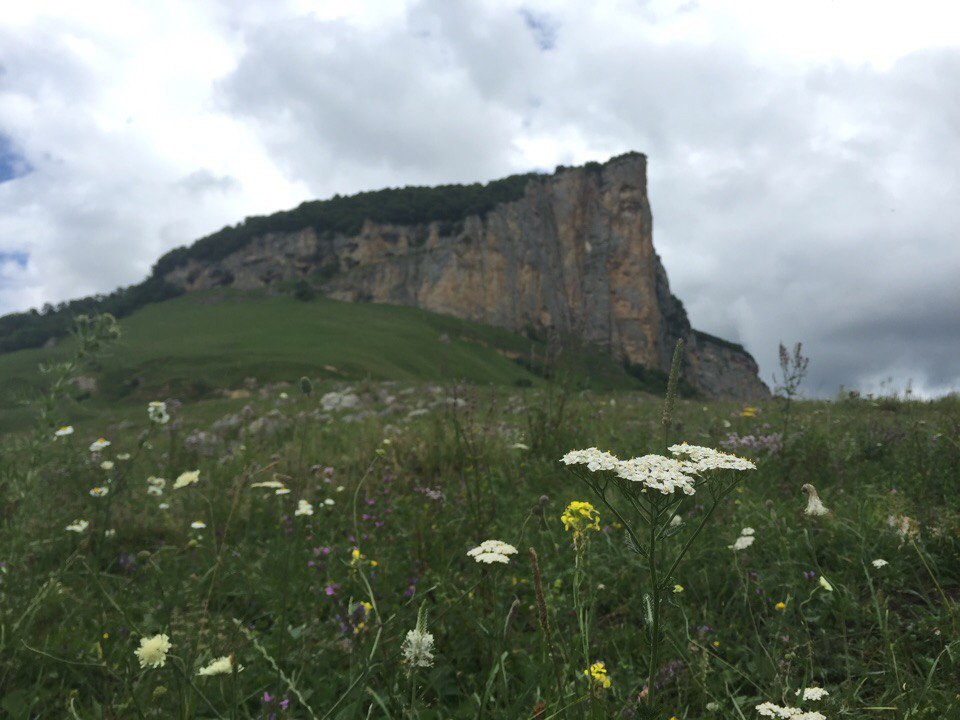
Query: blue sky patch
x,y
544,30
17,257
12,165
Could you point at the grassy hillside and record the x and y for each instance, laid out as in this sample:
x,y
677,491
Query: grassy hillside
x,y
195,346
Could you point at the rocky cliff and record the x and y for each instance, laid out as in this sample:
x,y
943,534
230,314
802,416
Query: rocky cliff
x,y
574,254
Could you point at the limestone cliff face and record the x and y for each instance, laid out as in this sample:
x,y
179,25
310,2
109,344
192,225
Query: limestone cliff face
x,y
575,254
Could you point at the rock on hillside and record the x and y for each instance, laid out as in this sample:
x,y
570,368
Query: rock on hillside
x,y
575,255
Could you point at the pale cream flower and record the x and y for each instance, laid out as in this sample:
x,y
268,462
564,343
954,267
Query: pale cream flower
x,y
99,491
417,648
123,456
106,465
742,543
815,506
187,478
303,508
825,585
220,666
879,563
153,651
78,526
282,491
593,458
328,502
491,551
268,484
658,473
64,431
98,445
704,458
813,693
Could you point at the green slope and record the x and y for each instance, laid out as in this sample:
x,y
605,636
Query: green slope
x,y
194,346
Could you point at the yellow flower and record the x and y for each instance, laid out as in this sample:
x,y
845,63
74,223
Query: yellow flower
x,y
781,606
677,589
598,673
580,517
748,412
716,643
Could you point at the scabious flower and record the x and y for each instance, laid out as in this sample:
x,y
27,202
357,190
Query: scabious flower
x,y
99,491
64,431
220,666
813,693
186,478
153,651
78,526
598,674
580,516
879,563
491,551
303,508
815,506
98,445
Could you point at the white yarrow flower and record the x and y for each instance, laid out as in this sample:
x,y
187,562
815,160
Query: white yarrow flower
x,y
78,526
220,666
813,693
492,551
742,543
658,473
704,458
593,458
879,563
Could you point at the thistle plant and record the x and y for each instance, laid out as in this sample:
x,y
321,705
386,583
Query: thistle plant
x,y
645,494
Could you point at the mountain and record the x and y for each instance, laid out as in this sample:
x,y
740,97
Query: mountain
x,y
567,255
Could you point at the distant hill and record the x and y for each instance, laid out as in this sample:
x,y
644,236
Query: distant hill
x,y
201,344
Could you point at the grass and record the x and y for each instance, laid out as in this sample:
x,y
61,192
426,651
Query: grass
x,y
317,607
197,345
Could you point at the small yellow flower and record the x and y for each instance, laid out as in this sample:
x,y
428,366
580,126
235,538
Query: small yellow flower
x,y
677,589
781,606
716,643
598,673
580,517
373,563
367,607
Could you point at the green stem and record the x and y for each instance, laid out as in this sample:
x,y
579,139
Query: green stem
x,y
655,602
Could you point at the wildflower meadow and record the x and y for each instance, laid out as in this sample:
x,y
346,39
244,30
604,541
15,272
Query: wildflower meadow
x,y
358,550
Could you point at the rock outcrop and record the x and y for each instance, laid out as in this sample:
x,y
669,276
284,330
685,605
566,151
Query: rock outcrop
x,y
575,255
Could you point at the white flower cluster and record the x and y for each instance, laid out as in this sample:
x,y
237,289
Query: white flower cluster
x,y
813,693
658,472
155,485
768,709
303,508
187,478
78,526
745,540
879,563
418,648
593,458
703,458
220,666
491,551
99,444
157,411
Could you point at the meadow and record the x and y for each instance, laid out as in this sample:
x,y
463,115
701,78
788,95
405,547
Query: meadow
x,y
313,548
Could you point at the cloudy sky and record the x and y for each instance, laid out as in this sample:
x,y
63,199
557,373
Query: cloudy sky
x,y
804,157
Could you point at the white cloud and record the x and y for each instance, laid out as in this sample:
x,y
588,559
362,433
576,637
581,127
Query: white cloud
x,y
800,171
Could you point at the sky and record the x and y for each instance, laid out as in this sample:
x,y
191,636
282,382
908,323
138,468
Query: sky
x,y
804,157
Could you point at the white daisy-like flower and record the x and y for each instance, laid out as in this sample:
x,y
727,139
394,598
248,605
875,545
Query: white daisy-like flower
x,y
198,524
157,482
220,666
282,491
98,445
658,473
303,508
813,693
99,491
742,543
704,458
155,490
153,651
815,506
187,478
64,431
106,465
164,506
78,526
879,563
593,458
157,412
